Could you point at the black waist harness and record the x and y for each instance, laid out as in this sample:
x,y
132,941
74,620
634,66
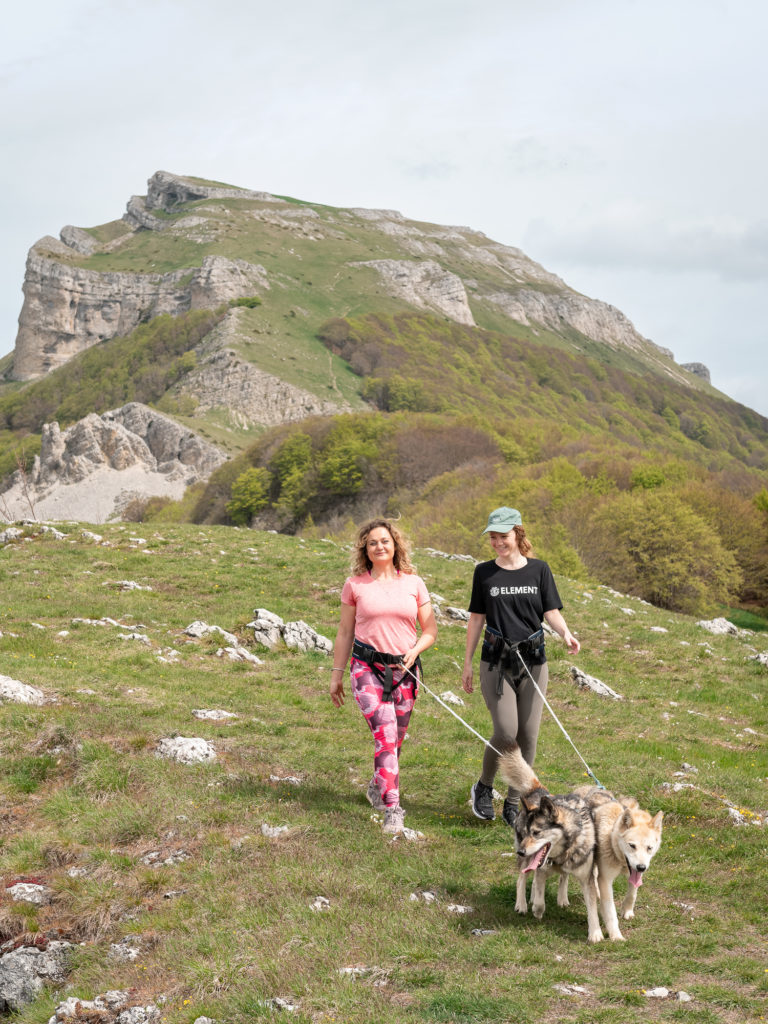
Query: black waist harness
x,y
380,663
497,650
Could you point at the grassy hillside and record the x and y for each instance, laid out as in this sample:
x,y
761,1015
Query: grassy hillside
x,y
226,925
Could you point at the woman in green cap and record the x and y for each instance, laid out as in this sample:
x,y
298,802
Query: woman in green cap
x,y
511,595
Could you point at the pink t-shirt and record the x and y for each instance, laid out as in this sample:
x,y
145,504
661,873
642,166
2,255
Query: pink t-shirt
x,y
386,611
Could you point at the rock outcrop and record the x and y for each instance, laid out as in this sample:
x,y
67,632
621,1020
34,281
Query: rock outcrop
x,y
67,309
698,370
425,285
92,470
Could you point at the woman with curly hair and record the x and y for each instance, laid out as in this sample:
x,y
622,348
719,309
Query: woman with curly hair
x,y
381,605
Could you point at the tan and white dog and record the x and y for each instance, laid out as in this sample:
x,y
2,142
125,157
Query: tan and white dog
x,y
627,839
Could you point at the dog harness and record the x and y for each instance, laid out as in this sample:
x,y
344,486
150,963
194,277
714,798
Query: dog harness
x,y
497,650
380,663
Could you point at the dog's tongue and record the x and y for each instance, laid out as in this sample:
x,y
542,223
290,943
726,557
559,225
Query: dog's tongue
x,y
636,878
536,860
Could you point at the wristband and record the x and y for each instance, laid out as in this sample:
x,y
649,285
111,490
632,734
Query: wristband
x,y
337,670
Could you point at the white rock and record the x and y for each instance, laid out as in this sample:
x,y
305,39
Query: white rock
x,y
186,749
657,993
301,637
451,698
273,831
201,629
719,626
589,682
571,990
30,892
215,715
12,689
320,903
459,908
238,653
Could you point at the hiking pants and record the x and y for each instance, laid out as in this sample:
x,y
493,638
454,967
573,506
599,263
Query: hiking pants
x,y
515,716
388,721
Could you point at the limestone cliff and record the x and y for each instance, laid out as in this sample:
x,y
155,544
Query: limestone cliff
x,y
217,242
92,470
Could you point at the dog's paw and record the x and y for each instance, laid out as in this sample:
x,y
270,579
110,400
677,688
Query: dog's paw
x,y
618,937
628,915
521,907
596,936
538,910
563,901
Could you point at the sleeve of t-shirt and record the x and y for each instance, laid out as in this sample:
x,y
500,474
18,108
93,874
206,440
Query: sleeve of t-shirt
x,y
550,599
476,601
347,593
422,594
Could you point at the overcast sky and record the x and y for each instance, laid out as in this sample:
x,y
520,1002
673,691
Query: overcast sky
x,y
620,143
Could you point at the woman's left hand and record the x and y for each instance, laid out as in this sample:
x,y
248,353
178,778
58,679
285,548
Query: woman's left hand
x,y
409,657
571,643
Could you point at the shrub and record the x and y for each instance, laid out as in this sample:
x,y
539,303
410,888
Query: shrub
x,y
250,494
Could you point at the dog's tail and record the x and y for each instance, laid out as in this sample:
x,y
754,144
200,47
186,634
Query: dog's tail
x,y
517,773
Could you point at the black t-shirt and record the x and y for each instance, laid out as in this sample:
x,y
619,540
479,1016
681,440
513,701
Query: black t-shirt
x,y
514,600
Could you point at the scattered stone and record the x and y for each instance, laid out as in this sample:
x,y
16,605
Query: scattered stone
x,y
89,535
411,835
155,859
426,896
126,585
483,931
273,831
451,698
459,614
30,892
278,1003
719,627
238,654
200,629
585,681
12,689
657,993
292,780
762,659
215,715
24,971
659,629
186,749
139,1015
74,1008
56,534
629,611
126,950
267,628
355,972
320,903
459,908
301,637
141,637
571,990
451,558
9,534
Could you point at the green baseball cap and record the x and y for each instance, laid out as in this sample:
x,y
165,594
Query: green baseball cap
x,y
503,519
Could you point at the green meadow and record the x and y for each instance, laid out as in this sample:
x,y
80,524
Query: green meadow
x,y
223,913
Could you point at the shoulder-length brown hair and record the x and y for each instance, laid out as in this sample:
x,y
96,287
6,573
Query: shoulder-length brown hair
x,y
401,561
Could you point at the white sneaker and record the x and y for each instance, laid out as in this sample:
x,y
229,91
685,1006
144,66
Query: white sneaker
x,y
393,820
374,797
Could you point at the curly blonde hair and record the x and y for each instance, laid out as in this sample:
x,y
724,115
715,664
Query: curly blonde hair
x,y
401,561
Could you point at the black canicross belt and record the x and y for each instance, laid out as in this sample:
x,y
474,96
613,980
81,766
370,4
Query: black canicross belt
x,y
375,660
503,652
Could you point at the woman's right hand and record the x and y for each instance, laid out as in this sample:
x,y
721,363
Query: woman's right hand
x,y
466,680
337,689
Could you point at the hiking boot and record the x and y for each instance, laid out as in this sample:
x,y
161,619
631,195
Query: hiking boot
x,y
509,812
374,797
393,820
482,801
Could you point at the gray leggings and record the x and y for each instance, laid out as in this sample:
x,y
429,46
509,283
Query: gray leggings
x,y
516,716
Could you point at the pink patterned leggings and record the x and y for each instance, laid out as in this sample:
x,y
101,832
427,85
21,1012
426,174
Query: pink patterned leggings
x,y
388,721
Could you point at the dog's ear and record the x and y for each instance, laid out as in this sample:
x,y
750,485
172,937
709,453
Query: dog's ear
x,y
546,805
626,820
656,822
526,804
